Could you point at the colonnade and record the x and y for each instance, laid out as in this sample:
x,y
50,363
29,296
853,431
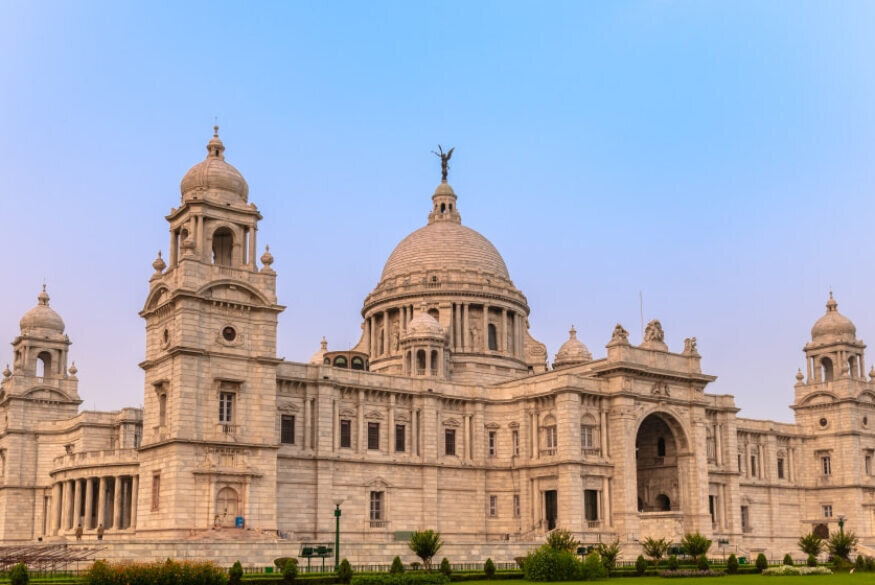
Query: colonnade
x,y
91,502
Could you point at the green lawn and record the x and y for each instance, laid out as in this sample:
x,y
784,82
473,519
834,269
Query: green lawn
x,y
837,579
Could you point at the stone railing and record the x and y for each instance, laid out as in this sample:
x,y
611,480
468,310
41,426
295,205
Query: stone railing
x,y
94,458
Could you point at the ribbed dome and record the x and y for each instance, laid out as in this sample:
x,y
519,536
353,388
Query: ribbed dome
x,y
42,316
833,325
444,246
214,174
572,352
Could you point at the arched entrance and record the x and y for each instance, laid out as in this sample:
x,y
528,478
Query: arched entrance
x,y
227,504
657,447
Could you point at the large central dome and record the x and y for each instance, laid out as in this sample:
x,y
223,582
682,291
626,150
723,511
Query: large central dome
x,y
441,246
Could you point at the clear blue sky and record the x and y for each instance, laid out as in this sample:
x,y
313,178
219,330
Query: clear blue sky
x,y
716,156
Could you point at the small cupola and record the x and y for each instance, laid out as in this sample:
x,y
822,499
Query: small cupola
x,y
572,353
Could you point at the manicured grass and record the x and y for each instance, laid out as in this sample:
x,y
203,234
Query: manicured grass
x,y
837,579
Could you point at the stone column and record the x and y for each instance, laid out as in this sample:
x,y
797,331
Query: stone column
x,y
77,502
466,324
502,332
89,503
718,443
135,487
485,334
65,507
603,433
360,415
307,423
466,434
56,508
414,432
174,247
101,502
606,502
372,336
390,432
457,326
335,426
428,362
117,503
253,231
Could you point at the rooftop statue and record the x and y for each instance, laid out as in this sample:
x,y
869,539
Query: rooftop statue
x,y
445,160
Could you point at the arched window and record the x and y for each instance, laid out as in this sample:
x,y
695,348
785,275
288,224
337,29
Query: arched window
x,y
223,246
551,439
434,362
358,363
493,337
434,313
852,367
43,364
826,364
660,447
420,362
327,361
663,503
340,362
589,433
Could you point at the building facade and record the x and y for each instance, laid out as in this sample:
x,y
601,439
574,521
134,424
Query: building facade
x,y
445,415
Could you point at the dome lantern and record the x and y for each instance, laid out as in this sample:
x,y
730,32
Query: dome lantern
x,y
214,178
573,352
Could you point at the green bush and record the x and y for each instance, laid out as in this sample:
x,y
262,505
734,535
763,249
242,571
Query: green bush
x,y
761,563
520,562
344,572
609,554
811,561
655,548
870,564
290,573
732,564
445,567
403,579
19,575
842,544
281,562
235,575
593,567
640,565
860,563
425,544
702,563
489,569
788,560
397,566
560,539
694,544
673,563
479,576
547,564
811,544
187,572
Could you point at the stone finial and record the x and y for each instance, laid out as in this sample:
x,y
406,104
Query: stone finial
x,y
799,376
619,335
324,343
690,347
872,373
654,336
159,265
73,369
43,297
7,372
267,260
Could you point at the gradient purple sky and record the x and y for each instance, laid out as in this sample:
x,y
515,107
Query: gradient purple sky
x,y
716,156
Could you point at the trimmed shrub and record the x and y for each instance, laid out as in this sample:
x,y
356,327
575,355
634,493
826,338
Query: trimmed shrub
x,y
761,563
101,573
860,563
811,561
488,568
690,573
673,563
732,564
870,564
445,567
403,579
19,575
235,575
290,573
344,571
702,563
593,567
791,570
397,566
547,564
788,560
694,544
640,565
281,562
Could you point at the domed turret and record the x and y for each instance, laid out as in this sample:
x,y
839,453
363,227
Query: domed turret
x,y
833,326
573,352
424,326
42,317
213,177
319,356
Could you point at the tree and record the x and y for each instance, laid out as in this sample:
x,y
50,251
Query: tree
x,y
811,561
397,566
489,569
788,560
695,545
445,567
761,563
290,572
811,544
235,575
344,572
609,553
640,565
841,544
732,564
560,539
425,544
19,575
655,548
673,563
702,563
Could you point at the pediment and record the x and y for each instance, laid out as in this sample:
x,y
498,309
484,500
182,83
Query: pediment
x,y
45,393
819,398
493,425
374,415
451,422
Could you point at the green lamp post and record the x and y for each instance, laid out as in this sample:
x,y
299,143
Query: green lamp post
x,y
842,525
337,504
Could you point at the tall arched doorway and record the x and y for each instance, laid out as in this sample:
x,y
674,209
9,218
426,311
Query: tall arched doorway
x,y
657,446
227,505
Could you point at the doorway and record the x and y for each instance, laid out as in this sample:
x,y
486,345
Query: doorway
x,y
551,508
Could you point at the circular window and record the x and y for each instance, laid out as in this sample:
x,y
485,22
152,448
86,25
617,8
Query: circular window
x,y
229,334
823,422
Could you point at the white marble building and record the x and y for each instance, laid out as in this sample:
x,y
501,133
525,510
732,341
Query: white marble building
x,y
445,415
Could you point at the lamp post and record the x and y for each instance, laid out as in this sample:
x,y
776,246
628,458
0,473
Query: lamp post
x,y
842,525
337,504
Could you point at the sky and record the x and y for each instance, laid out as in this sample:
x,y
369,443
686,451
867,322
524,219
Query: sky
x,y
712,158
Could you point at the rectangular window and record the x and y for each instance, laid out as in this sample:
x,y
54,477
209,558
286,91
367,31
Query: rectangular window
x,y
551,439
400,436
753,465
827,511
373,435
156,491
780,468
376,512
591,505
745,519
493,506
346,433
226,404
492,443
867,466
712,508
515,440
449,442
827,466
162,409
586,437
740,464
516,505
287,429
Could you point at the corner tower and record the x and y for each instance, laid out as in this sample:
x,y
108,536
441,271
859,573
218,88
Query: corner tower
x,y
208,454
